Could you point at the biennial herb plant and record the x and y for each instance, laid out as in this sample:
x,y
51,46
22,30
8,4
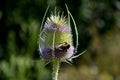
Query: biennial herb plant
x,y
56,43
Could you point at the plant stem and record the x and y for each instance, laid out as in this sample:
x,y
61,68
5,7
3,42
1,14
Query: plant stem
x,y
56,65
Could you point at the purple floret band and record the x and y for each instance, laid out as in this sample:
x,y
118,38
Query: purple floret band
x,y
46,52
54,28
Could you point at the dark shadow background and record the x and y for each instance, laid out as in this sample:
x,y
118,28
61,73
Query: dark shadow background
x,y
98,23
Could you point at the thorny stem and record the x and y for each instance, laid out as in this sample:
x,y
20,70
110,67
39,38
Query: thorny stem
x,y
55,62
56,65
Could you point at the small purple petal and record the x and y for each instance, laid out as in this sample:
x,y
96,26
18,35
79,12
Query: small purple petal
x,y
65,29
50,27
70,52
46,52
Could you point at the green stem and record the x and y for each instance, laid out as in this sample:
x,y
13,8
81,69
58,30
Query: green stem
x,y
56,65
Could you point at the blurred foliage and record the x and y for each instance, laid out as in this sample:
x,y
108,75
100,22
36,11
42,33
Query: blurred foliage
x,y
98,23
23,68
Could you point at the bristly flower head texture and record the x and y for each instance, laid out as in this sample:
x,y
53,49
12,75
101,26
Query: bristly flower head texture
x,y
56,41
56,38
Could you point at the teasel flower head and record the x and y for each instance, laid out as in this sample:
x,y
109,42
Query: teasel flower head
x,y
56,38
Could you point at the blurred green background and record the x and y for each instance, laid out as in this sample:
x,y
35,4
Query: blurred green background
x,y
98,23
